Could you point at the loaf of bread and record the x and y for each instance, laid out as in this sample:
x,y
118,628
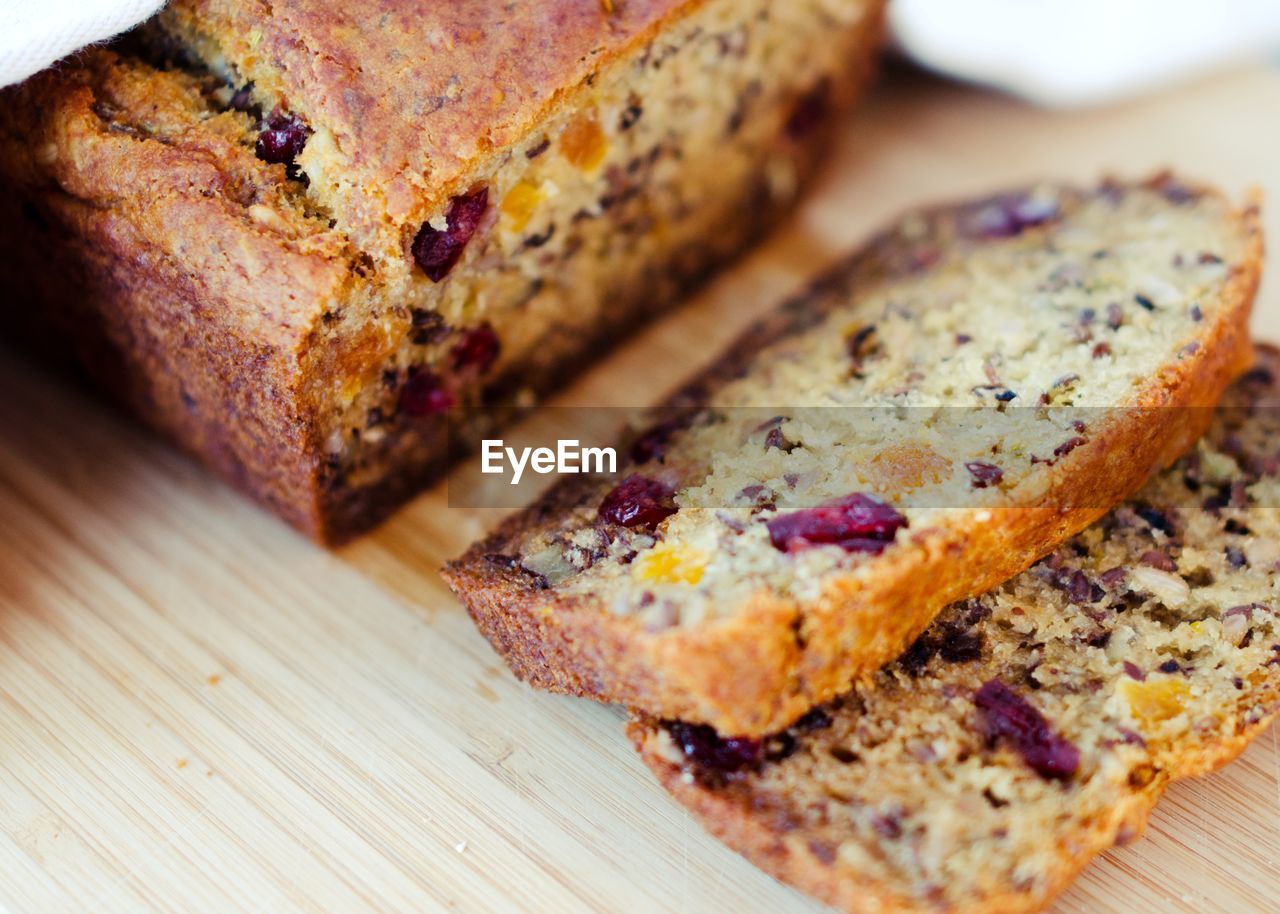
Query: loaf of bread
x,y
1032,727
864,458
293,235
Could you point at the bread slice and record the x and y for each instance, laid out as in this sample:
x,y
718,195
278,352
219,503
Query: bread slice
x,y
1034,726
706,586
292,236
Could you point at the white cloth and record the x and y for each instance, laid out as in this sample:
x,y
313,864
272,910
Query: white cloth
x,y
1068,53
35,33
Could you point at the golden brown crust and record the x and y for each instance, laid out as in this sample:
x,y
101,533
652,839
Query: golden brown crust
x,y
751,673
417,103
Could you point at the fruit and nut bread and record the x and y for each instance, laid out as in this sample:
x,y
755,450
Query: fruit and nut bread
x,y
292,236
976,386
1032,727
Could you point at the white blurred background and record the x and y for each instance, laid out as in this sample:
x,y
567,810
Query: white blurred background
x,y
1057,53
1076,53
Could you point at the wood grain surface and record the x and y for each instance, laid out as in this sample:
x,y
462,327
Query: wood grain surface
x,y
201,712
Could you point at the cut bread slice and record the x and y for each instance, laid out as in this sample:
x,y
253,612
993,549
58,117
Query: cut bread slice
x,y
864,457
1034,726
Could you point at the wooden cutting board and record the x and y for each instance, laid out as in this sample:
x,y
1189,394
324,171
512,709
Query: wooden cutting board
x,y
201,712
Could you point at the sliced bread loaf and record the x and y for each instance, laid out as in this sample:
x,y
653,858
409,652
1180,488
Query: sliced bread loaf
x,y
293,236
863,458
1034,726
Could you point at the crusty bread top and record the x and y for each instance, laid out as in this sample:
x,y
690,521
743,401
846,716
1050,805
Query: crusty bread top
x,y
417,90
409,99
1104,312
1031,727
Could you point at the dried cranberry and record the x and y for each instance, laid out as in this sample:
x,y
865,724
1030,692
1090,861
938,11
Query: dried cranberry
x,y
1009,717
638,501
1068,446
809,112
1080,590
709,750
425,395
1007,215
282,138
1113,576
775,439
855,523
478,349
984,474
438,250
